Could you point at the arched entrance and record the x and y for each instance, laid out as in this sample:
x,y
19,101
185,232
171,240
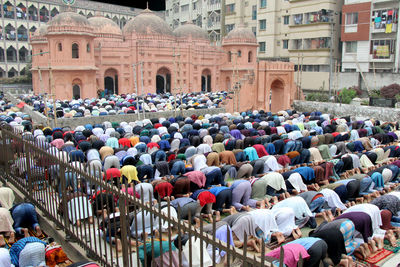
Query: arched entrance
x,y
206,80
276,96
163,81
76,89
111,82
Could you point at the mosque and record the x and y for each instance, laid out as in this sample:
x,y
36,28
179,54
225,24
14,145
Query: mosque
x,y
76,57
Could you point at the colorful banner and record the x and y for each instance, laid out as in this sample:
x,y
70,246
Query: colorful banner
x,y
382,51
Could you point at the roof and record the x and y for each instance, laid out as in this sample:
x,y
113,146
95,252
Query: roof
x,y
191,30
147,23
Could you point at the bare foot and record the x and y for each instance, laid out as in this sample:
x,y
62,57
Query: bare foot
x,y
25,231
379,243
233,210
330,215
373,246
11,240
217,216
2,241
38,231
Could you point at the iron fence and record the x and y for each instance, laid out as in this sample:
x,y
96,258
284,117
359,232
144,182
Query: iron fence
x,y
114,226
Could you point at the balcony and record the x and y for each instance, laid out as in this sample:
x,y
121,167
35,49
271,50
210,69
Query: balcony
x,y
214,7
382,29
374,58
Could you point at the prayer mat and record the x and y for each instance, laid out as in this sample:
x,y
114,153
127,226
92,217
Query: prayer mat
x,y
387,246
377,257
359,263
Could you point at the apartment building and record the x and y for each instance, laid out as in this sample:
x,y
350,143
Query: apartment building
x,y
20,18
305,32
203,13
370,36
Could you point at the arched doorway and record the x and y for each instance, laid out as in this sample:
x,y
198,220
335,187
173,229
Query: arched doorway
x,y
228,84
163,81
206,80
76,89
276,96
111,82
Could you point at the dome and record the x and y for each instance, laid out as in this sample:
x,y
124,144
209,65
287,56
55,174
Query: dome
x,y
41,31
103,25
147,23
191,30
69,19
241,34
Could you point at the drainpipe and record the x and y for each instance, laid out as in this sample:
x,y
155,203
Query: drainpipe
x,y
396,62
222,19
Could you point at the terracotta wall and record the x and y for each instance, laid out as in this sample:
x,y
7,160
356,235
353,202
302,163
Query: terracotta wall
x,y
363,26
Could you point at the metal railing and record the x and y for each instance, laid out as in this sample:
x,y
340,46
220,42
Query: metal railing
x,y
105,225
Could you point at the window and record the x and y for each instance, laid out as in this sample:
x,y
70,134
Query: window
x,y
351,47
261,47
239,53
230,9
351,18
382,49
194,5
254,29
285,20
254,13
298,19
229,56
229,27
60,47
88,48
297,44
75,51
250,57
263,3
285,44
379,18
317,43
263,25
185,8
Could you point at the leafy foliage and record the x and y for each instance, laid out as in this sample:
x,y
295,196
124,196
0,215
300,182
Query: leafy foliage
x,y
16,80
390,91
320,97
346,95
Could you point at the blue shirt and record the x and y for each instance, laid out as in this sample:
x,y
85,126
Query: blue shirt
x,y
217,189
306,242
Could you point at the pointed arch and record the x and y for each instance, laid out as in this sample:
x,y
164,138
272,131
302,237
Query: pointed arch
x,y
206,80
22,33
2,58
12,72
76,88
81,13
10,32
32,13
2,73
123,22
23,54
75,50
54,12
11,54
44,14
163,80
89,15
116,20
9,10
21,11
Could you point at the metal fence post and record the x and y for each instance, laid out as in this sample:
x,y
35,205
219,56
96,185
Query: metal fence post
x,y
63,191
28,167
123,207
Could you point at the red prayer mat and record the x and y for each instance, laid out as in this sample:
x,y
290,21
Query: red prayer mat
x,y
377,257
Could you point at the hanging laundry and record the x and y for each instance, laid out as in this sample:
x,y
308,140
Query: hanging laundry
x,y
378,22
388,28
390,12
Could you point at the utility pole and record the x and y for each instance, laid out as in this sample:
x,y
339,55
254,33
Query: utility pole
x,y
44,96
141,89
177,70
51,86
136,87
331,22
